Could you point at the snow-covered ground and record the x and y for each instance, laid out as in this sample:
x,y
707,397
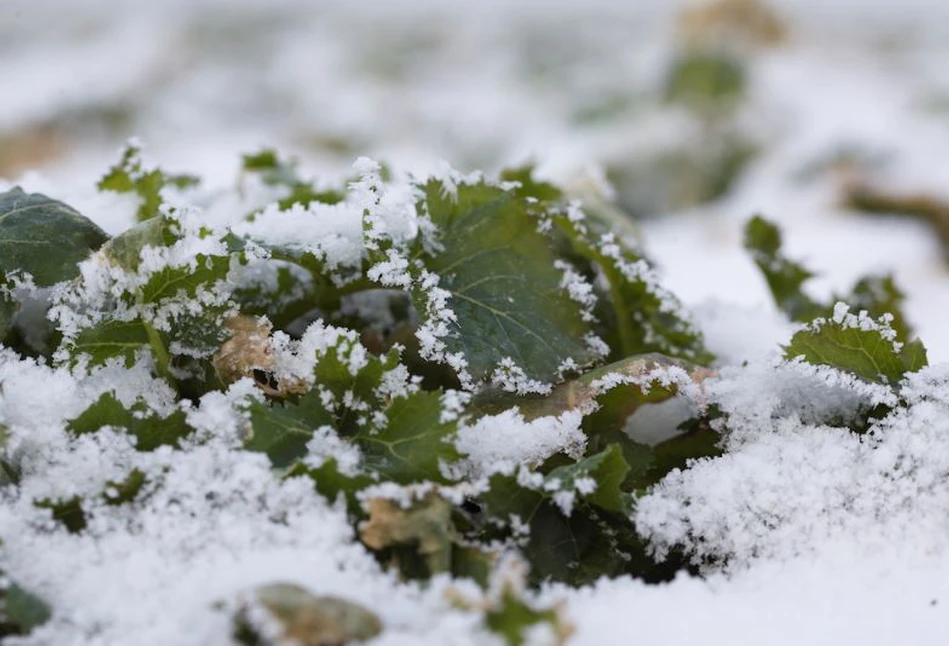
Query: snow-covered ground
x,y
824,543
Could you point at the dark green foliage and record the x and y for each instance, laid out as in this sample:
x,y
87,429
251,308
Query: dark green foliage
x,y
43,237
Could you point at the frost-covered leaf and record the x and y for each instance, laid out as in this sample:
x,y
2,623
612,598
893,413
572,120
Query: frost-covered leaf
x,y
639,315
20,610
880,295
573,523
149,429
413,443
125,249
111,339
859,345
130,176
44,237
504,291
302,618
172,305
598,478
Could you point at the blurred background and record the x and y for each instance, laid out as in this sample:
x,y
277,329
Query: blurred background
x,y
830,117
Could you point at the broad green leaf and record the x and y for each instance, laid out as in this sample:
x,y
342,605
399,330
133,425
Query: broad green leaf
x,y
193,331
412,443
866,353
504,288
110,339
20,610
562,546
43,237
640,316
150,429
530,187
785,277
173,281
557,545
130,176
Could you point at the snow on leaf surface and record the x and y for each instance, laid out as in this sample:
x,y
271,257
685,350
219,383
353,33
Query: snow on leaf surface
x,y
859,345
503,289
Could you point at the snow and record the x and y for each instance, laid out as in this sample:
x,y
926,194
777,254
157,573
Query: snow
x,y
806,532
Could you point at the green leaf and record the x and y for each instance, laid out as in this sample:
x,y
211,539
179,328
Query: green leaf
x,y
331,483
43,237
149,429
283,430
785,277
504,288
867,353
412,443
130,176
640,315
595,539
880,295
20,610
607,470
110,339
530,187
